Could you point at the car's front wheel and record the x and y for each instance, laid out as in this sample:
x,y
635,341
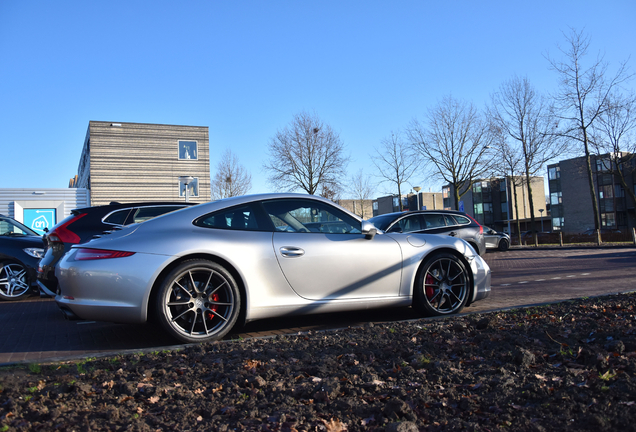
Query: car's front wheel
x,y
198,301
14,281
503,245
442,286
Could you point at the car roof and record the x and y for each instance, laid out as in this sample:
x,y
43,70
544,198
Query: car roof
x,y
116,206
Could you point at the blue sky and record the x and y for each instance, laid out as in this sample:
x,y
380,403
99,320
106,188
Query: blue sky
x,y
244,68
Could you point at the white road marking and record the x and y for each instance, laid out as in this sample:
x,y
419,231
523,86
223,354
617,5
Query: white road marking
x,y
523,282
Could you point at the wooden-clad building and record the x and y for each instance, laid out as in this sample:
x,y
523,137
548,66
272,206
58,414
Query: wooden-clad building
x,y
138,162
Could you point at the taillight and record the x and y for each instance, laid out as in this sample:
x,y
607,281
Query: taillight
x,y
481,228
62,234
85,254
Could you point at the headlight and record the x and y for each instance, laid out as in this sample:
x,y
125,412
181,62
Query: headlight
x,y
34,252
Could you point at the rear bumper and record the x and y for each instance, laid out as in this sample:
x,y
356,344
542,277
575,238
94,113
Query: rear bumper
x,y
482,275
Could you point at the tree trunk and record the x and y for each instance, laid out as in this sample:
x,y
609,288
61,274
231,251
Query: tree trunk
x,y
590,177
456,193
514,192
531,203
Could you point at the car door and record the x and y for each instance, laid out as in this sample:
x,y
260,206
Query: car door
x,y
491,238
320,264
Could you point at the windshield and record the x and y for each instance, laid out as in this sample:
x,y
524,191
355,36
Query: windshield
x,y
383,222
11,227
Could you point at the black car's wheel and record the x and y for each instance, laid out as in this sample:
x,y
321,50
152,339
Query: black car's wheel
x,y
14,281
503,245
442,286
198,301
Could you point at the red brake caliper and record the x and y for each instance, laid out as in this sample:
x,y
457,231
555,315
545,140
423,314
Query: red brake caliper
x,y
429,289
215,298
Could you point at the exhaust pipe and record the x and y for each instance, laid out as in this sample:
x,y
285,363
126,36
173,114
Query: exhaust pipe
x,y
69,315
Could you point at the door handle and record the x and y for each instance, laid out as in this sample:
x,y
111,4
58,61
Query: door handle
x,y
291,251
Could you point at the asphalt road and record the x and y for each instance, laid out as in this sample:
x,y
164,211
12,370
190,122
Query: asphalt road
x,y
35,331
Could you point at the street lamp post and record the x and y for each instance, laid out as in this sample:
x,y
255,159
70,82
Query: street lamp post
x,y
186,180
417,190
541,211
508,206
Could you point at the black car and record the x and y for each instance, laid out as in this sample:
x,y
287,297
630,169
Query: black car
x,y
20,251
85,223
446,222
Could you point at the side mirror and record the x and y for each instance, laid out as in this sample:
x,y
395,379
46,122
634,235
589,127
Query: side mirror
x,y
369,230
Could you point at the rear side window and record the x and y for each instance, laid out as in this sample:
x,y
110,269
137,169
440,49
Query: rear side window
x,y
117,217
450,220
409,224
462,220
434,220
238,218
144,213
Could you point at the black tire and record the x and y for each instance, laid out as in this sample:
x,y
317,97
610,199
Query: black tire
x,y
503,245
198,301
442,286
14,282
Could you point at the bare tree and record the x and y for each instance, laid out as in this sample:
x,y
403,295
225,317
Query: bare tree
x,y
231,178
583,95
509,165
523,115
362,191
396,162
454,141
614,137
308,154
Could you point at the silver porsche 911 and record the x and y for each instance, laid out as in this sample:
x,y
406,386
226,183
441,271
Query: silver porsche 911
x,y
198,269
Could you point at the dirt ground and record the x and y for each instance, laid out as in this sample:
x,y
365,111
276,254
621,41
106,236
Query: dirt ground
x,y
568,366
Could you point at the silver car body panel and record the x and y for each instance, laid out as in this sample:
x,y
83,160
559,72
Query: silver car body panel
x,y
282,273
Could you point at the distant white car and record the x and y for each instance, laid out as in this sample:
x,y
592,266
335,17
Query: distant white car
x,y
496,240
199,269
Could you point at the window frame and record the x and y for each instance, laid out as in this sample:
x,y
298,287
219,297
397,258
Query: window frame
x,y
196,145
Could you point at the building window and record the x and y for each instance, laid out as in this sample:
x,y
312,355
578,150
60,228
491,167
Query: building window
x,y
193,188
606,191
619,192
557,223
555,198
603,164
188,150
504,209
375,205
606,205
608,220
446,192
554,173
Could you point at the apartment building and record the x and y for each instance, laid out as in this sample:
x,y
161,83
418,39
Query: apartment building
x,y
411,201
492,202
571,203
137,162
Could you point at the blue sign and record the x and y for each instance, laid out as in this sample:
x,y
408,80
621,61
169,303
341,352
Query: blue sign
x,y
38,219
461,206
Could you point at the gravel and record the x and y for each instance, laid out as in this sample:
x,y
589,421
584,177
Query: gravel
x,y
567,366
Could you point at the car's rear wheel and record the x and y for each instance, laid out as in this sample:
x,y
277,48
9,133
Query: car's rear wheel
x,y
14,281
198,301
503,245
442,286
